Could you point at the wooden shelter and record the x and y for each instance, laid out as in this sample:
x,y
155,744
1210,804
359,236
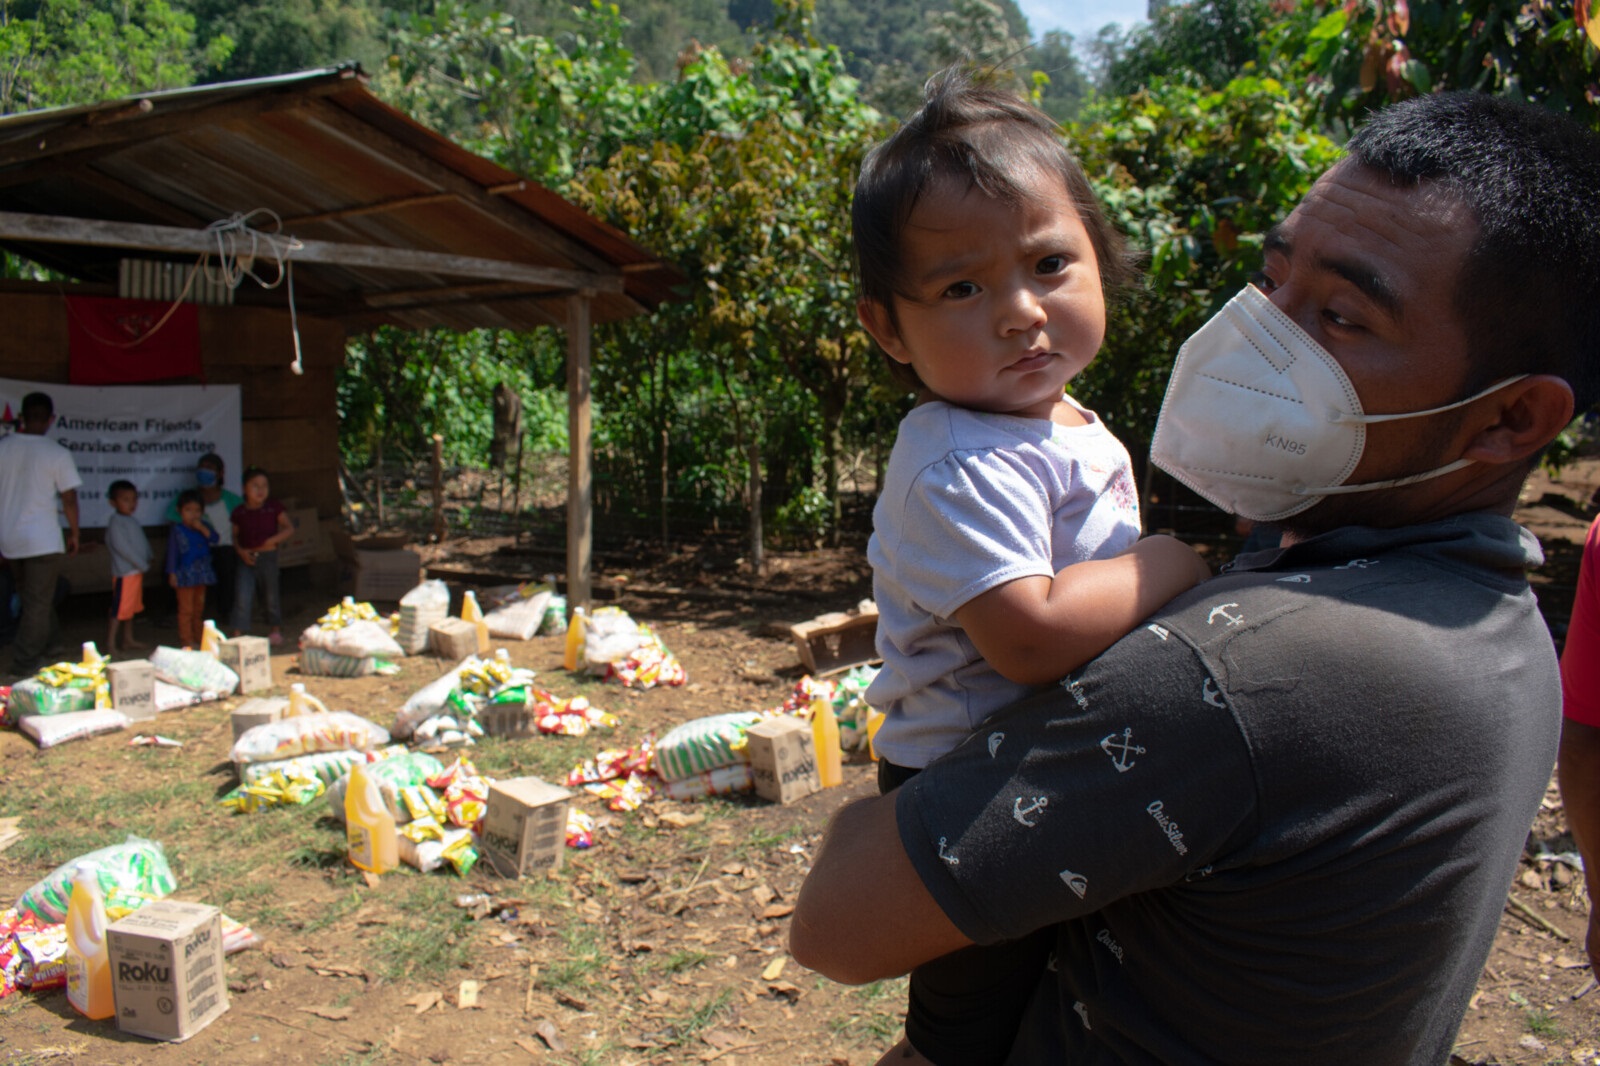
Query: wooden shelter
x,y
391,223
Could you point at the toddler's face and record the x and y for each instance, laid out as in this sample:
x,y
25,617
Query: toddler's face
x,y
1006,303
256,490
190,513
125,502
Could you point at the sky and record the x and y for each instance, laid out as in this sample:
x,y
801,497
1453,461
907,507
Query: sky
x,y
1081,18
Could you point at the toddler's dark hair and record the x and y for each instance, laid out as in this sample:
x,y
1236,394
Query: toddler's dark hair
x,y
990,139
120,486
251,473
188,496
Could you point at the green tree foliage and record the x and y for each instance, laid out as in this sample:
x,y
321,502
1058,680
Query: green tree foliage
x,y
58,52
1365,53
1202,43
282,36
1195,177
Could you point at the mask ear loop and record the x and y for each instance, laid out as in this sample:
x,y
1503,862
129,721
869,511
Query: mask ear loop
x,y
1426,475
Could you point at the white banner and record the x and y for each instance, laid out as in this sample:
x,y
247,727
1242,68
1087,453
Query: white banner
x,y
151,435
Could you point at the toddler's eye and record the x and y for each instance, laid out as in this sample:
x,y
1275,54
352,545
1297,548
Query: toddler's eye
x,y
1052,264
961,289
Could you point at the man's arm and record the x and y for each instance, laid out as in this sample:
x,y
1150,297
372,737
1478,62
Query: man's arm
x,y
69,507
863,913
1036,630
1579,769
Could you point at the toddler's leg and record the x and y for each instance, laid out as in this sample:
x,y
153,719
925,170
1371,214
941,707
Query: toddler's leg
x,y
244,596
965,1008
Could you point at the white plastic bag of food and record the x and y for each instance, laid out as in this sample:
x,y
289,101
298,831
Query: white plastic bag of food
x,y
306,734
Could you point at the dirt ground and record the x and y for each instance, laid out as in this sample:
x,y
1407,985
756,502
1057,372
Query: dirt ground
x,y
664,943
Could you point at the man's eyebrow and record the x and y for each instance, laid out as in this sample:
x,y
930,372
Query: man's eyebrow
x,y
1372,284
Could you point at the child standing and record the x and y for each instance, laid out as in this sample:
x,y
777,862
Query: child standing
x,y
1005,548
260,524
189,567
130,558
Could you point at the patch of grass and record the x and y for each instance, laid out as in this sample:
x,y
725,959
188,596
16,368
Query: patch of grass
x,y
1542,1023
370,1057
685,1026
761,840
327,914
582,959
431,938
679,961
873,1025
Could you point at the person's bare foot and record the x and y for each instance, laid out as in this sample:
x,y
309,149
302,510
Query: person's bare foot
x,y
903,1054
133,645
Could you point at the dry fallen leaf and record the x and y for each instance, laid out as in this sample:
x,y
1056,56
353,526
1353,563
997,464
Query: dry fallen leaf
x,y
372,879
763,894
774,969
530,1046
467,995
546,1031
721,1039
681,821
425,1001
337,970
778,910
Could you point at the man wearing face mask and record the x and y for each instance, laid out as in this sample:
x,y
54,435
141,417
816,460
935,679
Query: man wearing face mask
x,y
217,509
1277,822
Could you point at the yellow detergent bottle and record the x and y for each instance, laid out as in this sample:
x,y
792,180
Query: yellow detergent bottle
x,y
211,638
303,702
373,844
471,612
875,719
91,654
825,739
575,638
88,964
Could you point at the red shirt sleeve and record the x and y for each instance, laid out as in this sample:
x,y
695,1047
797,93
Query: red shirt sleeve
x,y
1580,660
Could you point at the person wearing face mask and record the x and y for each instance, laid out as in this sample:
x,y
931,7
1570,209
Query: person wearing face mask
x,y
1277,821
218,504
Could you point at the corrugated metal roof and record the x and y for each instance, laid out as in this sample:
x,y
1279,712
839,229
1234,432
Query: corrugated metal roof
x,y
336,164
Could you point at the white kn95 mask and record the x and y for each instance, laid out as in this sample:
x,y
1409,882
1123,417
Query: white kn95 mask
x,y
1260,420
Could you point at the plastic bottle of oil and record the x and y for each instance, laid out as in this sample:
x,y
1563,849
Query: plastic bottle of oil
x,y
88,963
471,612
373,844
575,638
211,638
875,719
825,739
91,654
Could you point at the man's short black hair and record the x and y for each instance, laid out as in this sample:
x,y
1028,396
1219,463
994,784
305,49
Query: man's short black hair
x,y
213,460
120,486
188,496
1529,293
37,406
992,140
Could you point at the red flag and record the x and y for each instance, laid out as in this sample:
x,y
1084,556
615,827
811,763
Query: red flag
x,y
120,342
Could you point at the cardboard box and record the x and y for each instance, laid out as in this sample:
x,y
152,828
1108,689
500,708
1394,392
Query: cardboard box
x,y
252,713
508,720
783,759
307,542
386,575
837,641
167,976
453,639
525,826
251,659
133,688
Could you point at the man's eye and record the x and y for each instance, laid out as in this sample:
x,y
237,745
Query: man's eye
x,y
961,289
1052,264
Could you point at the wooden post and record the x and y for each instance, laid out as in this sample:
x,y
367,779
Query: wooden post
x,y
379,479
580,478
516,484
438,489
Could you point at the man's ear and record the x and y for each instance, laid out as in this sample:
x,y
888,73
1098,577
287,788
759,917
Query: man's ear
x,y
874,318
1529,414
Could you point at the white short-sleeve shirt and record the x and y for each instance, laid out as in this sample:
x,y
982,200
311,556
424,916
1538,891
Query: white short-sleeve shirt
x,y
972,501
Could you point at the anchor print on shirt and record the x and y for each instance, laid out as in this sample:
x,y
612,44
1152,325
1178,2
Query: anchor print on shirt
x,y
1020,813
947,855
1357,564
1121,750
994,742
1296,579
1083,1013
1221,610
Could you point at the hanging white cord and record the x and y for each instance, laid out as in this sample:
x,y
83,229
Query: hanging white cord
x,y
238,248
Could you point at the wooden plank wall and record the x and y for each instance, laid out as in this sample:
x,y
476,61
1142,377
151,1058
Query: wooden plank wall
x,y
290,424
